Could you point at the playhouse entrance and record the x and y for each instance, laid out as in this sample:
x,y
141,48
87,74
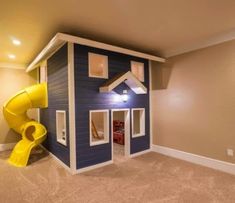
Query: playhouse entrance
x,y
120,134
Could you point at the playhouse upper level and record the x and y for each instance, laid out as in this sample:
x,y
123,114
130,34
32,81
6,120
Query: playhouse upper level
x,y
60,39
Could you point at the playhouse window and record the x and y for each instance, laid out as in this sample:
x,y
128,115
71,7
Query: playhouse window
x,y
61,127
137,68
99,127
138,122
98,65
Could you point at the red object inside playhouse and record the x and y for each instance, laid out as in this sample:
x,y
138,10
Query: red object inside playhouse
x,y
118,132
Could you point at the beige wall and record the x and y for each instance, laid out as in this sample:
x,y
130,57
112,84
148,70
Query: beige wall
x,y
12,80
119,115
194,102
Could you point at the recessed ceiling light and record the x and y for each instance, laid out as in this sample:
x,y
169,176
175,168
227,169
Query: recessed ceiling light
x,y
16,42
11,56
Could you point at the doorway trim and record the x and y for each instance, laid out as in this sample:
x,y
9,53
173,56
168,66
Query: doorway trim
x,y
127,119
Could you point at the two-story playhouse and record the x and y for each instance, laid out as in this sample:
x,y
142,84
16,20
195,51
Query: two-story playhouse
x,y
98,97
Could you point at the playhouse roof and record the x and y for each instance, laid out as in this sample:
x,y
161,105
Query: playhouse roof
x,y
131,81
60,39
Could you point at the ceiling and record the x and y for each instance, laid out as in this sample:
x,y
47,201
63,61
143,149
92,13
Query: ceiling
x,y
160,27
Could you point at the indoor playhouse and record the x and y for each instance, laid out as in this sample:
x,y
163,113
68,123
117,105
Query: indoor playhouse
x,y
87,83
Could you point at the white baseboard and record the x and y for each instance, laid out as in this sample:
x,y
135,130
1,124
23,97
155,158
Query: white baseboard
x,y
140,153
109,162
89,168
8,146
193,158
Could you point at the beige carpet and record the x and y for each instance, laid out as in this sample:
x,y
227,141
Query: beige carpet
x,y
149,178
118,153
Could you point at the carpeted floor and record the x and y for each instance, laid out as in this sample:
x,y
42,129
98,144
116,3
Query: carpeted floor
x,y
148,178
118,153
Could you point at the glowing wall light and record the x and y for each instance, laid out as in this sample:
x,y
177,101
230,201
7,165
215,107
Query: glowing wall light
x,y
11,56
124,96
16,42
116,98
120,97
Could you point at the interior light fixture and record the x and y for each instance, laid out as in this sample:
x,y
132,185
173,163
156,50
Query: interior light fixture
x,y
11,56
124,96
16,42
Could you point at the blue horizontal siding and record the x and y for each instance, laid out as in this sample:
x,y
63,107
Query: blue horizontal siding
x,y
57,73
87,97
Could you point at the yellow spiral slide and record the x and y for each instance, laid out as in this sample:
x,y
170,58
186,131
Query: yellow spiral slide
x,y
15,113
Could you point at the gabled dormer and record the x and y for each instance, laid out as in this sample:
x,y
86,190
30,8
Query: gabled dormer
x,y
131,81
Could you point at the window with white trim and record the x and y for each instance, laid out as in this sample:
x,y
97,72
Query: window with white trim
x,y
98,65
137,68
99,127
138,122
61,127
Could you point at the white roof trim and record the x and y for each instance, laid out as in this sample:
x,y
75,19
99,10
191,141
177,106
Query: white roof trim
x,y
131,81
59,39
50,48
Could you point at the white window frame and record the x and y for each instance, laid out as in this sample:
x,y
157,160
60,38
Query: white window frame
x,y
43,72
140,63
58,136
106,138
142,122
127,144
106,72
